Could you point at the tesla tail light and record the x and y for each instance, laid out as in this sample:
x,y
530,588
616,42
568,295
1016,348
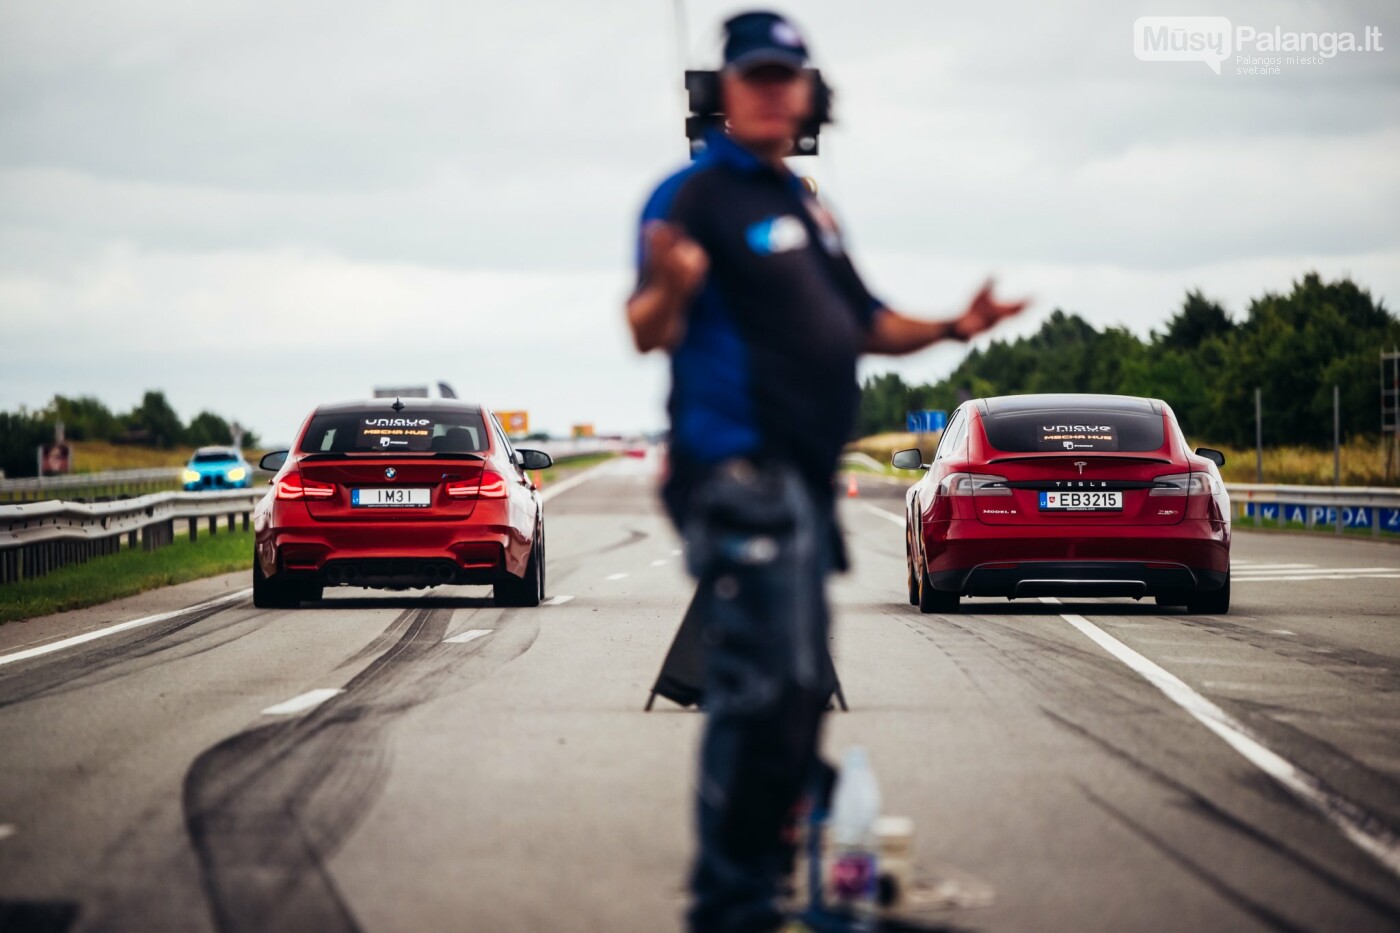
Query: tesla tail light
x,y
1185,484
294,486
973,484
491,485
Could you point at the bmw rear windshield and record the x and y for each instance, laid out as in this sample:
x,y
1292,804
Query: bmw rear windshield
x,y
1080,430
380,431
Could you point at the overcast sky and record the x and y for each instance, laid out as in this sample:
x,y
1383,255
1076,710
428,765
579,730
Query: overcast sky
x,y
257,206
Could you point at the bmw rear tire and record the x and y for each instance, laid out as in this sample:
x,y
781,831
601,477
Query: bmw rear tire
x,y
528,591
269,593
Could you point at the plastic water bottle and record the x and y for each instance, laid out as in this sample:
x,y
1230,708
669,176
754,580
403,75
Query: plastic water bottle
x,y
855,809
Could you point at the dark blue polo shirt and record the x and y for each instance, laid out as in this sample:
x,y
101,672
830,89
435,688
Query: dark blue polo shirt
x,y
767,367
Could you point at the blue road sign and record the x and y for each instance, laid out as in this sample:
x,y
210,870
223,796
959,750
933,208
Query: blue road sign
x,y
925,422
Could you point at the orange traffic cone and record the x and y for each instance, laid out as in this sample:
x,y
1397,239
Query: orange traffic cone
x,y
852,487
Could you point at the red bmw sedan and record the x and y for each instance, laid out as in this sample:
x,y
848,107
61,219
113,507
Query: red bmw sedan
x,y
1067,495
398,494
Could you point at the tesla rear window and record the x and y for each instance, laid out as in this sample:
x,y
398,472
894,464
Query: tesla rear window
x,y
366,431
1045,431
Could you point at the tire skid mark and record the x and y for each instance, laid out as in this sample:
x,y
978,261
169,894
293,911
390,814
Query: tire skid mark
x,y
1222,816
1237,899
107,660
265,809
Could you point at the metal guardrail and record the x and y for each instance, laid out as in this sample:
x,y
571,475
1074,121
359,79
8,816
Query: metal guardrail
x,y
39,537
113,482
1341,507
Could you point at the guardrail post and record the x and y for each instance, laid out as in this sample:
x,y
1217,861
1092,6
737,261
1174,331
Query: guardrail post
x,y
131,539
213,524
194,529
1376,522
245,521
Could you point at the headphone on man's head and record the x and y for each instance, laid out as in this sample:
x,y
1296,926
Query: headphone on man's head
x,y
707,102
707,110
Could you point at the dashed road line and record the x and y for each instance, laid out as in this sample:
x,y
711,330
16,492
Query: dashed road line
x,y
300,704
615,576
556,600
469,635
660,563
75,640
883,513
1363,829
7,830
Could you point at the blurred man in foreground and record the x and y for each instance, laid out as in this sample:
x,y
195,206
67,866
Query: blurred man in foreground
x,y
745,282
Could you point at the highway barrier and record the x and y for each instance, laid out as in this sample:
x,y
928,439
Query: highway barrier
x,y
108,484
1362,507
39,537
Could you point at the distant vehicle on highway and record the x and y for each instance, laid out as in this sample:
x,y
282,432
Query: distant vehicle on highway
x,y
217,468
1067,495
398,494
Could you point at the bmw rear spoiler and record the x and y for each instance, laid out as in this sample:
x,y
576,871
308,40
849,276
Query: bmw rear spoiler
x,y
375,454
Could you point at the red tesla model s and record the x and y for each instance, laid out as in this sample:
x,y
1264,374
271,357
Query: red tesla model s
x,y
394,494
1067,495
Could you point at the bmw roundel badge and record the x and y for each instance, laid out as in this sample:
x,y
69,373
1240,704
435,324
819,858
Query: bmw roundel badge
x,y
390,472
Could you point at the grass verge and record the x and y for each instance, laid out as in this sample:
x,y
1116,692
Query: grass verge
x,y
126,574
561,470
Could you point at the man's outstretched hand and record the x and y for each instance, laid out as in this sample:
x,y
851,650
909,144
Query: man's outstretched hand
x,y
984,312
897,333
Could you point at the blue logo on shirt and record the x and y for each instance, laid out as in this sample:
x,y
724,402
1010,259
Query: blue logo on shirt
x,y
776,235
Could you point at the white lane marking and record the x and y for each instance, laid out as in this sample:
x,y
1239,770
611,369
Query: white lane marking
x,y
300,704
876,510
1318,576
6,830
1282,631
120,627
557,600
659,563
676,552
615,576
564,485
469,635
1311,568
1272,568
1365,831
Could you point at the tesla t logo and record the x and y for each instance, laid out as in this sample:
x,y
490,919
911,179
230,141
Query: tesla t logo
x,y
1081,464
390,472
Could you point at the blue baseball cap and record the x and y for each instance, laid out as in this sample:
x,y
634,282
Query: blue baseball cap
x,y
762,38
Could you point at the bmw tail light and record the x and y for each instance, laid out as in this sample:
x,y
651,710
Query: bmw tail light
x,y
973,484
295,486
491,485
1185,484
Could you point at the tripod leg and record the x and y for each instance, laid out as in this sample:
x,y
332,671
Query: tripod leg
x,y
650,700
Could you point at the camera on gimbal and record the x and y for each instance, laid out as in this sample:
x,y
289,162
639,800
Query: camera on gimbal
x,y
707,111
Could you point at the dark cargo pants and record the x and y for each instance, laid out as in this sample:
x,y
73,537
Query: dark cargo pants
x,y
761,547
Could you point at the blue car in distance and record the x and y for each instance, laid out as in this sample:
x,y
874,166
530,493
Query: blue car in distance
x,y
217,468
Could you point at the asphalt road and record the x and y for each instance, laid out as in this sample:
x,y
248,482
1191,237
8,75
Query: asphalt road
x,y
1103,765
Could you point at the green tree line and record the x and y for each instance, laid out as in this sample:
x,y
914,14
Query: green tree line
x,y
1293,347
151,423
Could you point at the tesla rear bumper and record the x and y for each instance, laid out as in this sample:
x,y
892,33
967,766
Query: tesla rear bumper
x,y
976,559
1097,578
